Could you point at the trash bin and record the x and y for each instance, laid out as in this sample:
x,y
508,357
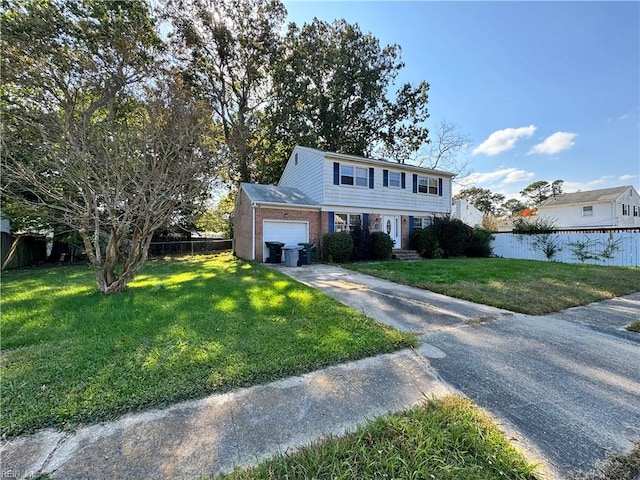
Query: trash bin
x,y
275,252
291,255
306,254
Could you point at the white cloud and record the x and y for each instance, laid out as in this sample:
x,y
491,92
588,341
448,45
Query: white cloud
x,y
554,143
503,140
626,177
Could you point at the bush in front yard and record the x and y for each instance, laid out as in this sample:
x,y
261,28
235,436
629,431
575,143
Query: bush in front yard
x,y
450,237
361,243
425,242
381,246
480,244
337,247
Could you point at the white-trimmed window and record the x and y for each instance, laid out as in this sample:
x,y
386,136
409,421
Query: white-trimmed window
x,y
350,175
428,185
635,211
344,222
587,211
625,209
395,179
421,222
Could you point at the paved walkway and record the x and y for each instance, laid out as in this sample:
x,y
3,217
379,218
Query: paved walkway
x,y
208,436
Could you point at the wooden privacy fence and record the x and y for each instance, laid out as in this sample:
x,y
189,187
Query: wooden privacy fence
x,y
22,250
611,246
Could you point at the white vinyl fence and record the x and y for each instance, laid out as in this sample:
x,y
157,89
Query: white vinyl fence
x,y
614,247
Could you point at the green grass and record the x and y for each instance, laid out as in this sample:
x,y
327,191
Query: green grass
x,y
184,329
441,439
634,327
522,286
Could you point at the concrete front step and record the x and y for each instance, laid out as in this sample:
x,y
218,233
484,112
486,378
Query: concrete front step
x,y
402,254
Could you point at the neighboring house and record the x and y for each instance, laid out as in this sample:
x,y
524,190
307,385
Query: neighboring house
x,y
467,212
608,207
322,192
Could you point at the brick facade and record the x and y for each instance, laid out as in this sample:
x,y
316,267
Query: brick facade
x,y
285,214
243,228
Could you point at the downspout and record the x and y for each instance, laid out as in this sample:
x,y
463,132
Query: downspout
x,y
253,231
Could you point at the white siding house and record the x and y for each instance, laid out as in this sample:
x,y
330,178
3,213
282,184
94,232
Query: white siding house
x,y
392,197
348,190
466,212
609,207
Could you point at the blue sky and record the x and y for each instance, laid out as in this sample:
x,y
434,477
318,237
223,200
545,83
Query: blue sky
x,y
545,90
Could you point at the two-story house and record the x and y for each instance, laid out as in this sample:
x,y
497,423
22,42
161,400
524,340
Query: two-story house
x,y
321,192
607,207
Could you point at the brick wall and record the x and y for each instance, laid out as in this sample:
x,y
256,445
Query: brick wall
x,y
265,213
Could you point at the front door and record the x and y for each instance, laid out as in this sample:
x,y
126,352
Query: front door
x,y
391,226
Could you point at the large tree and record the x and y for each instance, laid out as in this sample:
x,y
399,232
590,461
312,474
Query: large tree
x,y
482,198
538,191
332,92
447,149
228,47
96,136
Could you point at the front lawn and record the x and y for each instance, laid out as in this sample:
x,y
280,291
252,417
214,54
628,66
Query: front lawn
x,y
524,286
184,329
441,439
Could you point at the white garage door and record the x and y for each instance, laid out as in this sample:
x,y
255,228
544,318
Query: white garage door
x,y
285,232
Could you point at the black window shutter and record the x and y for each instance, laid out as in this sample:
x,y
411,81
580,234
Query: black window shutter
x,y
410,226
440,186
365,220
403,177
336,173
385,178
370,177
331,220
415,183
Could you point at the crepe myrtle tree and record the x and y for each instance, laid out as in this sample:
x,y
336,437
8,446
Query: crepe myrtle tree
x,y
95,134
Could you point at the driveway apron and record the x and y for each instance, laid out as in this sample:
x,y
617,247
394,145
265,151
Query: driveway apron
x,y
568,382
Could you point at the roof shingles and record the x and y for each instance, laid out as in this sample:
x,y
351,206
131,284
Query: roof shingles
x,y
271,194
591,196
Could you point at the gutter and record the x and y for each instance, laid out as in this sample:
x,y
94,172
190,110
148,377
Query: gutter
x,y
288,206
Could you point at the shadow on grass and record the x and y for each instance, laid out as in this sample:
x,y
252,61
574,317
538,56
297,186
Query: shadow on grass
x,y
182,330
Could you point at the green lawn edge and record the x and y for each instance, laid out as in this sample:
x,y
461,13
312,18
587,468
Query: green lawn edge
x,y
447,438
523,286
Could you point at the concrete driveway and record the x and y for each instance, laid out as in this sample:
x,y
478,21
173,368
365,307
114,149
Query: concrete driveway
x,y
569,382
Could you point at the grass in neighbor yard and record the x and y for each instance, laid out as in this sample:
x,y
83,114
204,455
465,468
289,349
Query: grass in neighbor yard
x,y
441,439
524,286
185,328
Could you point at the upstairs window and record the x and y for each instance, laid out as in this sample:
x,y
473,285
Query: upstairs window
x,y
346,175
394,179
428,185
625,209
587,211
635,211
362,177
350,175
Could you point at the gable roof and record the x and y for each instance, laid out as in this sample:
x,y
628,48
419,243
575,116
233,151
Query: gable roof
x,y
591,196
274,195
375,161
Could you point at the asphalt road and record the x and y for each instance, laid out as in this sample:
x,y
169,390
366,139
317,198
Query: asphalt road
x,y
572,391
